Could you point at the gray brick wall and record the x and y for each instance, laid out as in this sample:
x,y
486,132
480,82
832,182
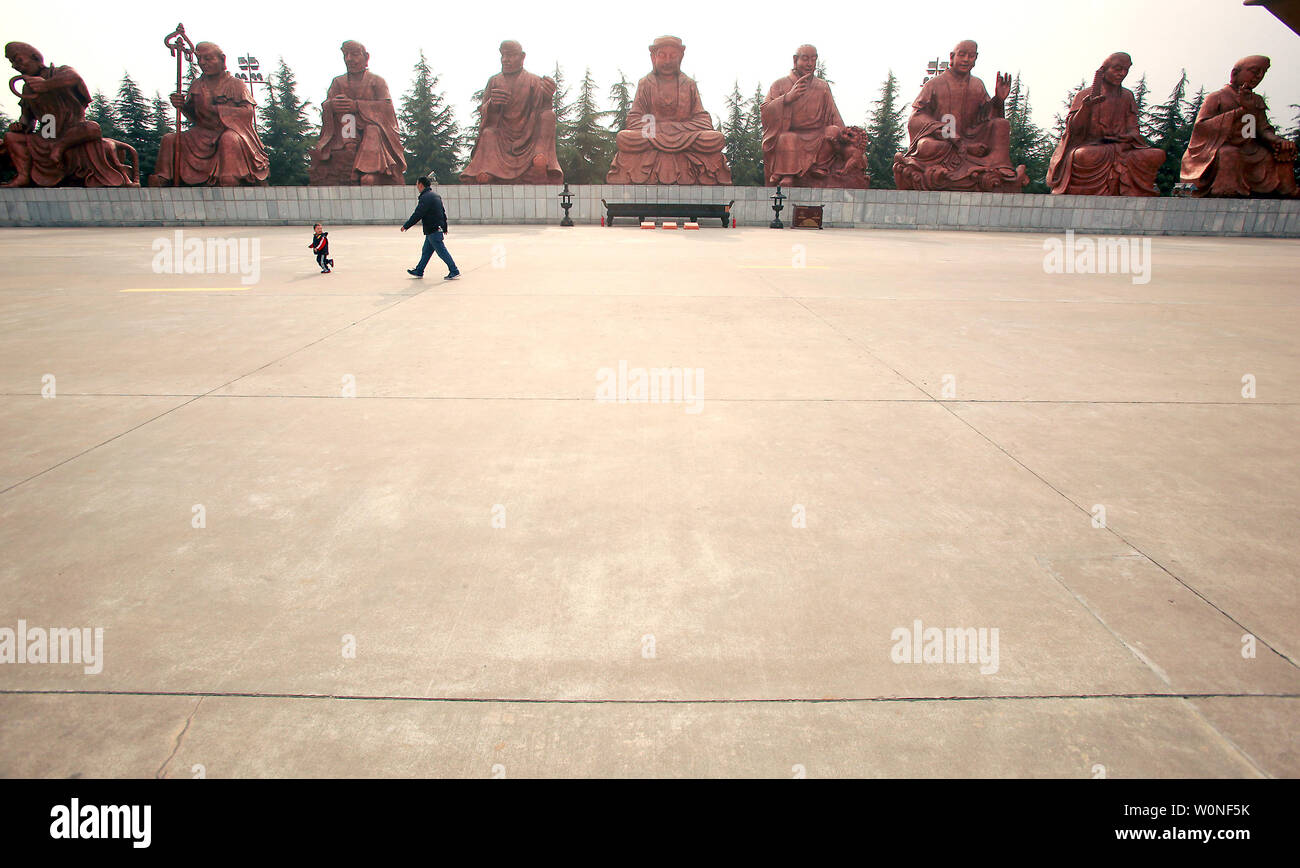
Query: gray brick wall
x,y
472,204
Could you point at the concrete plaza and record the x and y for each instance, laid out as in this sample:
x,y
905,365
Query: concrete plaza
x,y
362,525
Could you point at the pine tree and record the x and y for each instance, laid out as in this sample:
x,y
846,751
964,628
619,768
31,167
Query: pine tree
x,y
820,71
6,169
160,117
589,148
745,161
621,95
1061,118
885,127
563,117
1294,135
753,139
1168,125
287,132
101,111
1029,144
135,124
1193,109
1141,94
430,135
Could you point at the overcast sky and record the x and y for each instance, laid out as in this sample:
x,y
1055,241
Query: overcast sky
x,y
1053,45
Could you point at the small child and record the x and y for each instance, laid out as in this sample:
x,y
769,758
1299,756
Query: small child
x,y
320,242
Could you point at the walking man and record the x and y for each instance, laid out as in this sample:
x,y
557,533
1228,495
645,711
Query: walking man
x,y
433,217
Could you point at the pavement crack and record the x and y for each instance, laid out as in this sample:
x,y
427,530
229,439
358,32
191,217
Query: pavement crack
x,y
779,700
180,737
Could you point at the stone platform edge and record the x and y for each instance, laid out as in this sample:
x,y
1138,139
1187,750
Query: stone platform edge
x,y
522,204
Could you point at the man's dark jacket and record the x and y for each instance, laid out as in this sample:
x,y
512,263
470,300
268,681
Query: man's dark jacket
x,y
430,212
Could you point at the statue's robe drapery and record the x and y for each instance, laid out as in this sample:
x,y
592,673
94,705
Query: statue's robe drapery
x,y
510,137
222,143
91,163
669,137
1088,162
1221,161
933,162
794,135
376,148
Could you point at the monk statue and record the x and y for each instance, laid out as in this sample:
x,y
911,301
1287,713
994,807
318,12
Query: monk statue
x,y
1102,152
221,148
669,137
516,136
960,139
1234,150
358,136
805,142
52,143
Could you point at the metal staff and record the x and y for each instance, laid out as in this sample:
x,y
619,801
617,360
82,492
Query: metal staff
x,y
183,50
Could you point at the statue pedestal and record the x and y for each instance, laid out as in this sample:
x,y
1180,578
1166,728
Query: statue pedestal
x,y
540,204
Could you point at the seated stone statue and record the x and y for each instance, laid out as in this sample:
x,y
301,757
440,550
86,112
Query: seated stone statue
x,y
960,139
52,143
221,147
516,135
358,143
804,141
669,137
1234,150
1102,152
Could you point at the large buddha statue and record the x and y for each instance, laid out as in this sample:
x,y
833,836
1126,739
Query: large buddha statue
x,y
358,143
669,137
1102,152
516,135
221,147
1234,150
805,141
52,143
960,139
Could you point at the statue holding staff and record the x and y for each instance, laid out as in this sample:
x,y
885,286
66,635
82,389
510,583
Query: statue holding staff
x,y
221,147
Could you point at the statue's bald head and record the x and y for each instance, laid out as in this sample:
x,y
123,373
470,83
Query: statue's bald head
x,y
1114,69
1249,71
212,60
805,60
667,42
23,50
962,59
355,57
511,46
666,54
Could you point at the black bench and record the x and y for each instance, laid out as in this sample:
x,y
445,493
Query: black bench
x,y
692,211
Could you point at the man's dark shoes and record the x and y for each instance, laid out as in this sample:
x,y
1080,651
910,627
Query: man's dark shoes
x,y
413,272
452,276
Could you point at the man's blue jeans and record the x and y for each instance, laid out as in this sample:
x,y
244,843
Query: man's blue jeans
x,y
433,244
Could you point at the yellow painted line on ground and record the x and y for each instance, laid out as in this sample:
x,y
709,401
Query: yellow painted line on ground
x,y
189,289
